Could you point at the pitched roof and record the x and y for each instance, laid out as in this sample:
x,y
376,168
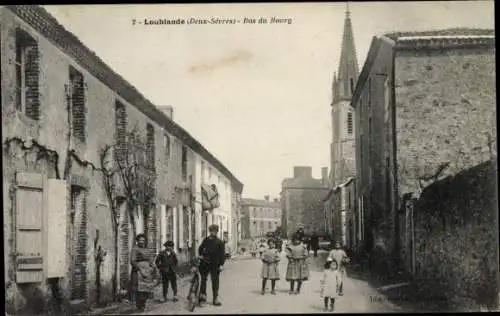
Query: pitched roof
x,y
439,39
43,22
256,202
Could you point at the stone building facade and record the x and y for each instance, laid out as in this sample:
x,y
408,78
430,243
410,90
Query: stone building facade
x,y
425,109
72,131
302,202
259,216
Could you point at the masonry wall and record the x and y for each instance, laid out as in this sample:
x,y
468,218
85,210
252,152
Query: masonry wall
x,y
456,235
445,114
306,208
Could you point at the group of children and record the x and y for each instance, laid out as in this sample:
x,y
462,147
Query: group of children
x,y
297,267
298,270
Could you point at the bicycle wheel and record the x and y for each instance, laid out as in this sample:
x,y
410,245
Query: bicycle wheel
x,y
191,305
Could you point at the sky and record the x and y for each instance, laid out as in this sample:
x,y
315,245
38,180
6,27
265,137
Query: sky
x,y
257,96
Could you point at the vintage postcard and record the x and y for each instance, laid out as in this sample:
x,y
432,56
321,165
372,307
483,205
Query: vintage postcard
x,y
259,158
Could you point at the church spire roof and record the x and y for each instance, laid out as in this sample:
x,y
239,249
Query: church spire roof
x,y
348,66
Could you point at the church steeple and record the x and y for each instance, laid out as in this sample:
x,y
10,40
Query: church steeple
x,y
348,71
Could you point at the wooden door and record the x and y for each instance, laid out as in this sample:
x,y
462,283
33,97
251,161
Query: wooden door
x,y
29,228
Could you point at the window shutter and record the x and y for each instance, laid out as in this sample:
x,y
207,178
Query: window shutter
x,y
29,228
32,82
57,221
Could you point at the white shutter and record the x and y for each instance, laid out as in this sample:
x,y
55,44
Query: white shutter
x,y
163,224
180,217
175,236
29,228
56,191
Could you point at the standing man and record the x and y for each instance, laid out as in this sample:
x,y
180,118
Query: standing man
x,y
315,243
338,254
212,255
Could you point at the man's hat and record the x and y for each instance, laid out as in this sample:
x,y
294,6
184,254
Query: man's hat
x,y
213,228
168,243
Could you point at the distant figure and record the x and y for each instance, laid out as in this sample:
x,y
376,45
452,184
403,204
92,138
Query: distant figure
x,y
301,234
330,284
227,248
253,248
270,259
279,244
314,243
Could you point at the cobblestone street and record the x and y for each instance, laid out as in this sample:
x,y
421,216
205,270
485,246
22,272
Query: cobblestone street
x,y
240,293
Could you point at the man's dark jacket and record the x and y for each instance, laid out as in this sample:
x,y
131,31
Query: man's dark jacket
x,y
212,250
314,241
166,262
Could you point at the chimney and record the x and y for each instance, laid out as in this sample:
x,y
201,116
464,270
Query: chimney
x,y
302,172
168,110
266,197
324,175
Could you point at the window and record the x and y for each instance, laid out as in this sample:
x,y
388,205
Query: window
x,y
270,225
27,75
77,100
352,86
150,146
349,123
120,131
184,163
166,146
209,172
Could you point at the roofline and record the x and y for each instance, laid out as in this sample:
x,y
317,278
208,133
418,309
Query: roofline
x,y
365,72
114,81
306,188
418,42
338,187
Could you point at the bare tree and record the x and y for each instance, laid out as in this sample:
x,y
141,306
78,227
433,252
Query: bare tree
x,y
128,178
114,201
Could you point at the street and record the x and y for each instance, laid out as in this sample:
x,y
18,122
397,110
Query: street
x,y
240,293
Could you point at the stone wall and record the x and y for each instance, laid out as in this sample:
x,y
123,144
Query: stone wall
x,y
445,114
456,235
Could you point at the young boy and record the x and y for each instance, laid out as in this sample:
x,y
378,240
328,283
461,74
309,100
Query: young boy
x,y
166,263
